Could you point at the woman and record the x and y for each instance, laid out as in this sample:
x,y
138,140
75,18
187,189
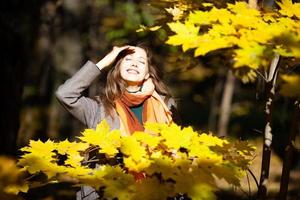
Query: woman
x,y
133,94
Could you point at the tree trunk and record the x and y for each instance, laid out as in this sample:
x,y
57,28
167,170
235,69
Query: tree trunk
x,y
225,109
270,91
212,119
253,4
289,152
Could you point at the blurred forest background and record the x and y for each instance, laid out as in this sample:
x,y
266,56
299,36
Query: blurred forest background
x,y
44,42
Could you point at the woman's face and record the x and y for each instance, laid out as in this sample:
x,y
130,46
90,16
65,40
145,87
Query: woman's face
x,y
134,67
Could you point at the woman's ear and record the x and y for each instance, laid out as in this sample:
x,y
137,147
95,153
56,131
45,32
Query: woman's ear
x,y
147,76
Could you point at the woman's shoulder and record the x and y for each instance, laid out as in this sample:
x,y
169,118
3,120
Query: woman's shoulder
x,y
170,101
172,105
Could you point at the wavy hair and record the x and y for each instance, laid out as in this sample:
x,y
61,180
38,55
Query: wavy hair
x,y
115,86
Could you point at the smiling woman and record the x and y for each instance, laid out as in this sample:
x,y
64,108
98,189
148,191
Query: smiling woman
x,y
133,94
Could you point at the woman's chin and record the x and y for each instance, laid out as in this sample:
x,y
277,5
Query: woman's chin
x,y
134,81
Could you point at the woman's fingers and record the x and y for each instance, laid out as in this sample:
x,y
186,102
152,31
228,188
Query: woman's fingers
x,y
127,47
111,56
118,50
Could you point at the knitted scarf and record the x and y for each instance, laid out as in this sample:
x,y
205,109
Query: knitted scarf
x,y
154,108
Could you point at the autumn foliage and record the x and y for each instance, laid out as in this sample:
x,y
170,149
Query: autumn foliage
x,y
161,162
252,36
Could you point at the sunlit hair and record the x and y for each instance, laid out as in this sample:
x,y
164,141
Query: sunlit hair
x,y
115,85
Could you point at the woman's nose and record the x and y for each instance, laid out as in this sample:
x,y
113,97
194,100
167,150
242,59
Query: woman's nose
x,y
134,64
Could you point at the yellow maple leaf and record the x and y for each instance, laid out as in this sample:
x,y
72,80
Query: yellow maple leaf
x,y
207,4
34,163
74,159
150,140
162,164
108,149
108,141
132,148
118,183
243,8
202,191
80,172
210,140
288,8
95,137
197,183
172,137
15,189
40,157
208,42
72,150
144,28
186,34
199,17
250,55
176,12
91,136
41,148
137,166
67,147
12,177
111,143
154,128
228,172
175,138
205,155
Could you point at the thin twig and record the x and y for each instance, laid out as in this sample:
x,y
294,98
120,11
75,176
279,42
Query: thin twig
x,y
257,131
253,177
93,148
249,186
90,161
92,158
258,72
33,175
253,158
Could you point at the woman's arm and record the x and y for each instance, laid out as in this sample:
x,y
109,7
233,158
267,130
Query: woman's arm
x,y
70,95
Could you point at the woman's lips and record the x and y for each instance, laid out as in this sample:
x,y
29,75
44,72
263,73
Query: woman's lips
x,y
132,71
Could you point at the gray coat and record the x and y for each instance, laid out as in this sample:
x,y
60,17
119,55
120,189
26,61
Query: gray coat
x,y
89,111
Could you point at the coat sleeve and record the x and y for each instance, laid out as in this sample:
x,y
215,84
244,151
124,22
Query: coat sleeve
x,y
87,193
172,105
70,95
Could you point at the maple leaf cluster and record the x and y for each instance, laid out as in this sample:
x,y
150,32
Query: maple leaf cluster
x,y
253,36
161,162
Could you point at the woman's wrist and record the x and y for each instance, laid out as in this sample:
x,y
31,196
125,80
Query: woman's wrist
x,y
101,64
111,57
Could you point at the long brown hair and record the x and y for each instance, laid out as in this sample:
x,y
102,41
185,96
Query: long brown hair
x,y
115,85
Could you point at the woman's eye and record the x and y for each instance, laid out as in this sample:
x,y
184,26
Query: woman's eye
x,y
142,62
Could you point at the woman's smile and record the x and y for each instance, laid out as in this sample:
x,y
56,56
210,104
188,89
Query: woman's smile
x,y
133,71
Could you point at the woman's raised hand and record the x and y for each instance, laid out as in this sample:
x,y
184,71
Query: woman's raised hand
x,y
111,56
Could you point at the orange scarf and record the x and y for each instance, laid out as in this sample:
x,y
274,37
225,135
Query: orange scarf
x,y
154,108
